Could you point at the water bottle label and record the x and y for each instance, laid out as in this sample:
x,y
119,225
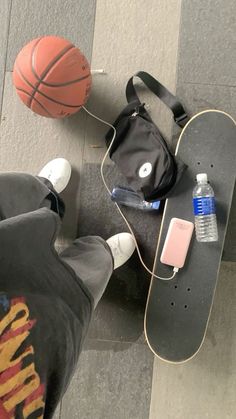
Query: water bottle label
x,y
204,205
156,205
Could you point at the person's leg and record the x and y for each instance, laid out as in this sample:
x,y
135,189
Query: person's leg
x,y
22,192
56,204
93,260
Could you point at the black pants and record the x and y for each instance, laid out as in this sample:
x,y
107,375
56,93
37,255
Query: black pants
x,y
90,257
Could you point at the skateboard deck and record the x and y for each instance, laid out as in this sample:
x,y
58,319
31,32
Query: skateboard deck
x,y
178,311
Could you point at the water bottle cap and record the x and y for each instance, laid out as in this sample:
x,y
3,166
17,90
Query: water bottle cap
x,y
202,177
156,205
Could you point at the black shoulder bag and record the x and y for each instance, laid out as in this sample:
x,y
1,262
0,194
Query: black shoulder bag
x,y
139,150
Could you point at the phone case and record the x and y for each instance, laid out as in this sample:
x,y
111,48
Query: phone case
x,y
177,242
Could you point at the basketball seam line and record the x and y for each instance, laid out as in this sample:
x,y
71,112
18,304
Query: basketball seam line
x,y
58,84
49,66
43,94
45,109
62,84
29,100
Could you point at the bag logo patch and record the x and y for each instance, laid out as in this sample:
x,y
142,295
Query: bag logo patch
x,y
145,170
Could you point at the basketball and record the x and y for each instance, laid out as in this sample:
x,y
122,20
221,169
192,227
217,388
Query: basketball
x,y
52,77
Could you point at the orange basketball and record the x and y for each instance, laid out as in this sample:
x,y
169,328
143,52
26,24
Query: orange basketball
x,y
52,77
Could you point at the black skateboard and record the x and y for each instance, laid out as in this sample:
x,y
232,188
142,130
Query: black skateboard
x,y
178,311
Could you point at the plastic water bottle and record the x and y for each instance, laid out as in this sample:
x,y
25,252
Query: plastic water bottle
x,y
128,197
204,210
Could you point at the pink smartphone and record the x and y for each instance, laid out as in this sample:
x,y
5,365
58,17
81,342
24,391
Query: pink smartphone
x,y
177,242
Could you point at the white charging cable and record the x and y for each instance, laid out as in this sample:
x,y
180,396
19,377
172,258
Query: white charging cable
x,y
175,270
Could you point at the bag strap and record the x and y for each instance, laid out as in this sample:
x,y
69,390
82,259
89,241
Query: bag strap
x,y
161,92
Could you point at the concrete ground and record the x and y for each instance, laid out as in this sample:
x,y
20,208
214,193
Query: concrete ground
x,y
189,46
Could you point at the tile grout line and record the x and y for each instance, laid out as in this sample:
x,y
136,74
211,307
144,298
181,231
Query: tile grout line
x,y
178,48
82,165
176,77
207,84
5,62
176,71
60,410
81,170
83,161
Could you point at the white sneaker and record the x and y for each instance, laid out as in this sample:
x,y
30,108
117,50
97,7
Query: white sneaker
x,y
122,247
58,172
